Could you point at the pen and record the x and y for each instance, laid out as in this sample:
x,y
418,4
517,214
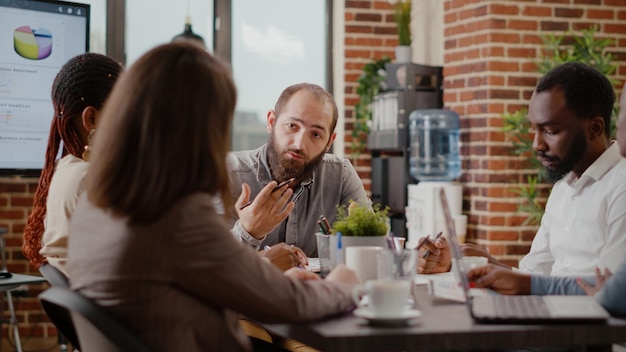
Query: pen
x,y
326,224
422,242
267,248
279,186
427,252
322,228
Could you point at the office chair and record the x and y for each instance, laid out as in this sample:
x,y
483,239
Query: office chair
x,y
54,276
67,331
98,331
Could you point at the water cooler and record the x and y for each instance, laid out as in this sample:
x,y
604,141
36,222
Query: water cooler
x,y
435,162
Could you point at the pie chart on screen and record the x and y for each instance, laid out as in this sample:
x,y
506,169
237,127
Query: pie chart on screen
x,y
33,44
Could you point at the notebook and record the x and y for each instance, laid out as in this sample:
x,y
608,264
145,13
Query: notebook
x,y
518,309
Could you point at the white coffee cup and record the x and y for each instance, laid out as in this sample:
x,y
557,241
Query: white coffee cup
x,y
363,260
387,298
460,227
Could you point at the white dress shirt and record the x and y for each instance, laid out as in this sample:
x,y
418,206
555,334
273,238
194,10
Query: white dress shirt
x,y
584,225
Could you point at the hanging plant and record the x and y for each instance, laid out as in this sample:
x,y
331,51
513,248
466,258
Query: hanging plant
x,y
370,83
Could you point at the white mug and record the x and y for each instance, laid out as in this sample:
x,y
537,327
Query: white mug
x,y
387,298
363,260
460,227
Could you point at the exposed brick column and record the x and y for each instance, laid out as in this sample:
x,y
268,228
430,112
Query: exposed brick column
x,y
370,34
490,51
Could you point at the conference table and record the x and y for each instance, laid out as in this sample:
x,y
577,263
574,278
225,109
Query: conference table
x,y
446,325
6,285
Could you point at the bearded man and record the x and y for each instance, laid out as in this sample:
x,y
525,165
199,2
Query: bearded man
x,y
284,186
584,225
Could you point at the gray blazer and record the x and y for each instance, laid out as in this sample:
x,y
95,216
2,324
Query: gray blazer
x,y
178,283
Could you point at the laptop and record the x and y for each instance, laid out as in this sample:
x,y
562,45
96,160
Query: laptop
x,y
496,308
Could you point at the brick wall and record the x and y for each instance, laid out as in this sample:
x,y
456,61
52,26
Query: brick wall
x,y
16,200
490,51
370,34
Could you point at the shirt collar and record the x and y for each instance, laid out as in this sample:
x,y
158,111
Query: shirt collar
x,y
599,167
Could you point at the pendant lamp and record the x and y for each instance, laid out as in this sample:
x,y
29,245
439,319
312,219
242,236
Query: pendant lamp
x,y
188,34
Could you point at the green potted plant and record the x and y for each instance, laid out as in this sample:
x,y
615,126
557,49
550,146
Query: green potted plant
x,y
402,16
359,226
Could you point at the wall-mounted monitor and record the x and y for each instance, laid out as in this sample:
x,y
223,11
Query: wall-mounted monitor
x,y
37,37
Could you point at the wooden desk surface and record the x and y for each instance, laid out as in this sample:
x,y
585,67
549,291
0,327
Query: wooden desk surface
x,y
20,279
445,325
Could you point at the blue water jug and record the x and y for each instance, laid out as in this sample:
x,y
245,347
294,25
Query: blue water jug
x,y
434,149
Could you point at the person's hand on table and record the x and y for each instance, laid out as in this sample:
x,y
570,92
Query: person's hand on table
x,y
601,278
285,256
342,273
302,274
501,280
270,207
438,259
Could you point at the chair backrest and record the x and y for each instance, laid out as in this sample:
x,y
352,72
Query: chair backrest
x,y
54,276
97,330
62,318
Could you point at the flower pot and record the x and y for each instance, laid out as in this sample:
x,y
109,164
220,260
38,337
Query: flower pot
x,y
403,54
348,241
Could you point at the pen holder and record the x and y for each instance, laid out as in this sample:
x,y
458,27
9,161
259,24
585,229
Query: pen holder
x,y
323,253
397,264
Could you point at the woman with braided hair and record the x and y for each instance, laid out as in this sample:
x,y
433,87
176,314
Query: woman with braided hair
x,y
78,94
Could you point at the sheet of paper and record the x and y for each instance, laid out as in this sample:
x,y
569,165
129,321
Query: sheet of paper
x,y
314,265
445,285
421,279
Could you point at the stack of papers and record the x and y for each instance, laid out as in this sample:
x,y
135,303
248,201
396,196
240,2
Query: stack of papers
x,y
446,285
314,265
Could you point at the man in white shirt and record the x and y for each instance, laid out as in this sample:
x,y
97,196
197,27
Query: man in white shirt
x,y
584,225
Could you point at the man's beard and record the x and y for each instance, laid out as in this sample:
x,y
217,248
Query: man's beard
x,y
284,168
567,164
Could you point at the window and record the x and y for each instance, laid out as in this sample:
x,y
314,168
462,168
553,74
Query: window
x,y
97,25
149,24
271,45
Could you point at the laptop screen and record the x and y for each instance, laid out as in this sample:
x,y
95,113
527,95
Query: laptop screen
x,y
455,249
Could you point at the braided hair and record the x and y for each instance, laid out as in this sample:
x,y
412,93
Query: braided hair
x,y
85,80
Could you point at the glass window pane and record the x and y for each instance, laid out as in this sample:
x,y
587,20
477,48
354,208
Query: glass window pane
x,y
150,23
275,43
97,25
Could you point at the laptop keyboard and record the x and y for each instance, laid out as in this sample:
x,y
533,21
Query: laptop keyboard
x,y
510,307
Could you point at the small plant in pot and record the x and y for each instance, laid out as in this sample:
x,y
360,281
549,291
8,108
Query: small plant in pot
x,y
402,16
358,220
359,225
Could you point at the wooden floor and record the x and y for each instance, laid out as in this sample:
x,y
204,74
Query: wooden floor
x,y
31,344
41,344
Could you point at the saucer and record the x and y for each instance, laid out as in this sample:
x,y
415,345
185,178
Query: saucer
x,y
405,318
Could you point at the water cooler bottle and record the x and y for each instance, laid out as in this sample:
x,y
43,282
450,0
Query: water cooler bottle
x,y
435,162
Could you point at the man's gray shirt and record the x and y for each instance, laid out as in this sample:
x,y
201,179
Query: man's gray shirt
x,y
334,182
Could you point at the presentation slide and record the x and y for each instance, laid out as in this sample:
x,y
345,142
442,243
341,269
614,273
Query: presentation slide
x,y
34,45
